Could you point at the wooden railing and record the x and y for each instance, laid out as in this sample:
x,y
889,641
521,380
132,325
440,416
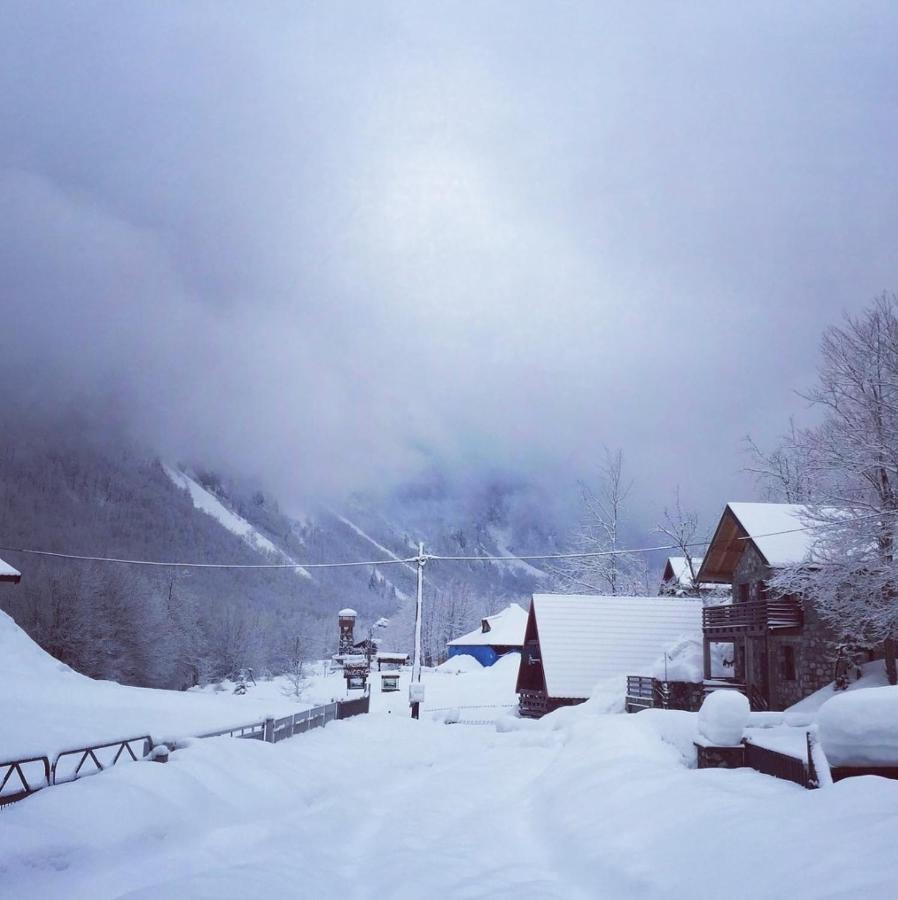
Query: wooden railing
x,y
755,617
779,765
640,693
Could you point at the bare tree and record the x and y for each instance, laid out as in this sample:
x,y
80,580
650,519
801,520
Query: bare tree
x,y
787,474
295,681
852,575
681,528
599,532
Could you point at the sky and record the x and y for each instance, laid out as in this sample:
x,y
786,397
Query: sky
x,y
329,245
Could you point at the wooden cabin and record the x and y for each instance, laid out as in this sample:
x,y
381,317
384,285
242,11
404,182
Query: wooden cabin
x,y
497,635
573,642
781,650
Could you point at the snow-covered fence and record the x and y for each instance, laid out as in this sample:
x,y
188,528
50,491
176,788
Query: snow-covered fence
x,y
70,765
779,765
23,777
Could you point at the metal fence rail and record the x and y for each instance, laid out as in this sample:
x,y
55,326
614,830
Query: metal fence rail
x,y
22,777
97,757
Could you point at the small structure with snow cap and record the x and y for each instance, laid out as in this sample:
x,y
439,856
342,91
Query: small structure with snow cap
x,y
8,573
497,635
346,618
574,641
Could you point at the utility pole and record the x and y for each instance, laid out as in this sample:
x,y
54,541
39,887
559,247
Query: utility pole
x,y
416,689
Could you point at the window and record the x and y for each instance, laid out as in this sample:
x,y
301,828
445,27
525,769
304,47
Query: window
x,y
743,593
788,663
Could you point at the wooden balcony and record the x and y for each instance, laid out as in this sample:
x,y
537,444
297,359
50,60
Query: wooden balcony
x,y
753,618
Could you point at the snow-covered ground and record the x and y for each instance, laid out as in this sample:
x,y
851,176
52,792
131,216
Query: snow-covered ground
x,y
45,707
580,804
575,806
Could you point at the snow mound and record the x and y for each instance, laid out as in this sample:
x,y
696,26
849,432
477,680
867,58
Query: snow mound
x,y
23,660
683,661
861,728
47,707
723,717
459,665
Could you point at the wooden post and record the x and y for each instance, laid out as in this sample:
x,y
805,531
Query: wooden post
x,y
706,655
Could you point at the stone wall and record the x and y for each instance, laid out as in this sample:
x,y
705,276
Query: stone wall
x,y
813,649
751,570
814,654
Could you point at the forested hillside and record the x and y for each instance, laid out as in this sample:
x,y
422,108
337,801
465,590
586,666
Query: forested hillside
x,y
63,490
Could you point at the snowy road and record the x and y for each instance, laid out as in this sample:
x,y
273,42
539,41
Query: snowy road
x,y
381,806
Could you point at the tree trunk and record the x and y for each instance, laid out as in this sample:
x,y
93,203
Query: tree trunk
x,y
891,669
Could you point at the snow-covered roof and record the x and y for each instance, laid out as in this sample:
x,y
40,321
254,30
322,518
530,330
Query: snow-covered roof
x,y
679,567
8,573
506,629
584,638
763,522
348,613
778,530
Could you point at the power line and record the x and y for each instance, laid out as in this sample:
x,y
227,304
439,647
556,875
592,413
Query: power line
x,y
194,565
393,561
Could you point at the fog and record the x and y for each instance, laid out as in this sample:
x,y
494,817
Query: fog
x,y
329,245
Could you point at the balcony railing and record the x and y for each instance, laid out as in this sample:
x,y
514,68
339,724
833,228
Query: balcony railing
x,y
758,617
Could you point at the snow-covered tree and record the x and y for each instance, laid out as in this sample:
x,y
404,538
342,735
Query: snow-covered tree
x,y
787,473
600,531
852,577
681,528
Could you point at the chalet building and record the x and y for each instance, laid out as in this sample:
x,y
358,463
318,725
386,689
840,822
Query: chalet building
x,y
497,635
8,573
677,581
572,642
781,650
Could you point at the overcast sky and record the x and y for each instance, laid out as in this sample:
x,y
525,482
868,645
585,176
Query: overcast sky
x,y
324,243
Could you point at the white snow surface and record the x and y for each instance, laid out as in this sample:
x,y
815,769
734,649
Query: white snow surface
x,y
586,638
7,571
47,707
772,527
581,804
860,728
502,539
456,665
506,629
212,506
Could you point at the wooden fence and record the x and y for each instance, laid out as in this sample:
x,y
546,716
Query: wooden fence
x,y
22,777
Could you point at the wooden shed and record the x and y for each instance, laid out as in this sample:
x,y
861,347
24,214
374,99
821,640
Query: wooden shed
x,y
8,573
574,641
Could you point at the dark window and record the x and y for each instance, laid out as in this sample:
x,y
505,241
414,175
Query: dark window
x,y
743,593
788,663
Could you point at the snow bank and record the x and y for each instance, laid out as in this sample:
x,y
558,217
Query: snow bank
x,y
683,661
860,728
457,665
47,707
723,717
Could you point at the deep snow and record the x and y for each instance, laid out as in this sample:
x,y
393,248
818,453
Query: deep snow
x,y
585,803
575,806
